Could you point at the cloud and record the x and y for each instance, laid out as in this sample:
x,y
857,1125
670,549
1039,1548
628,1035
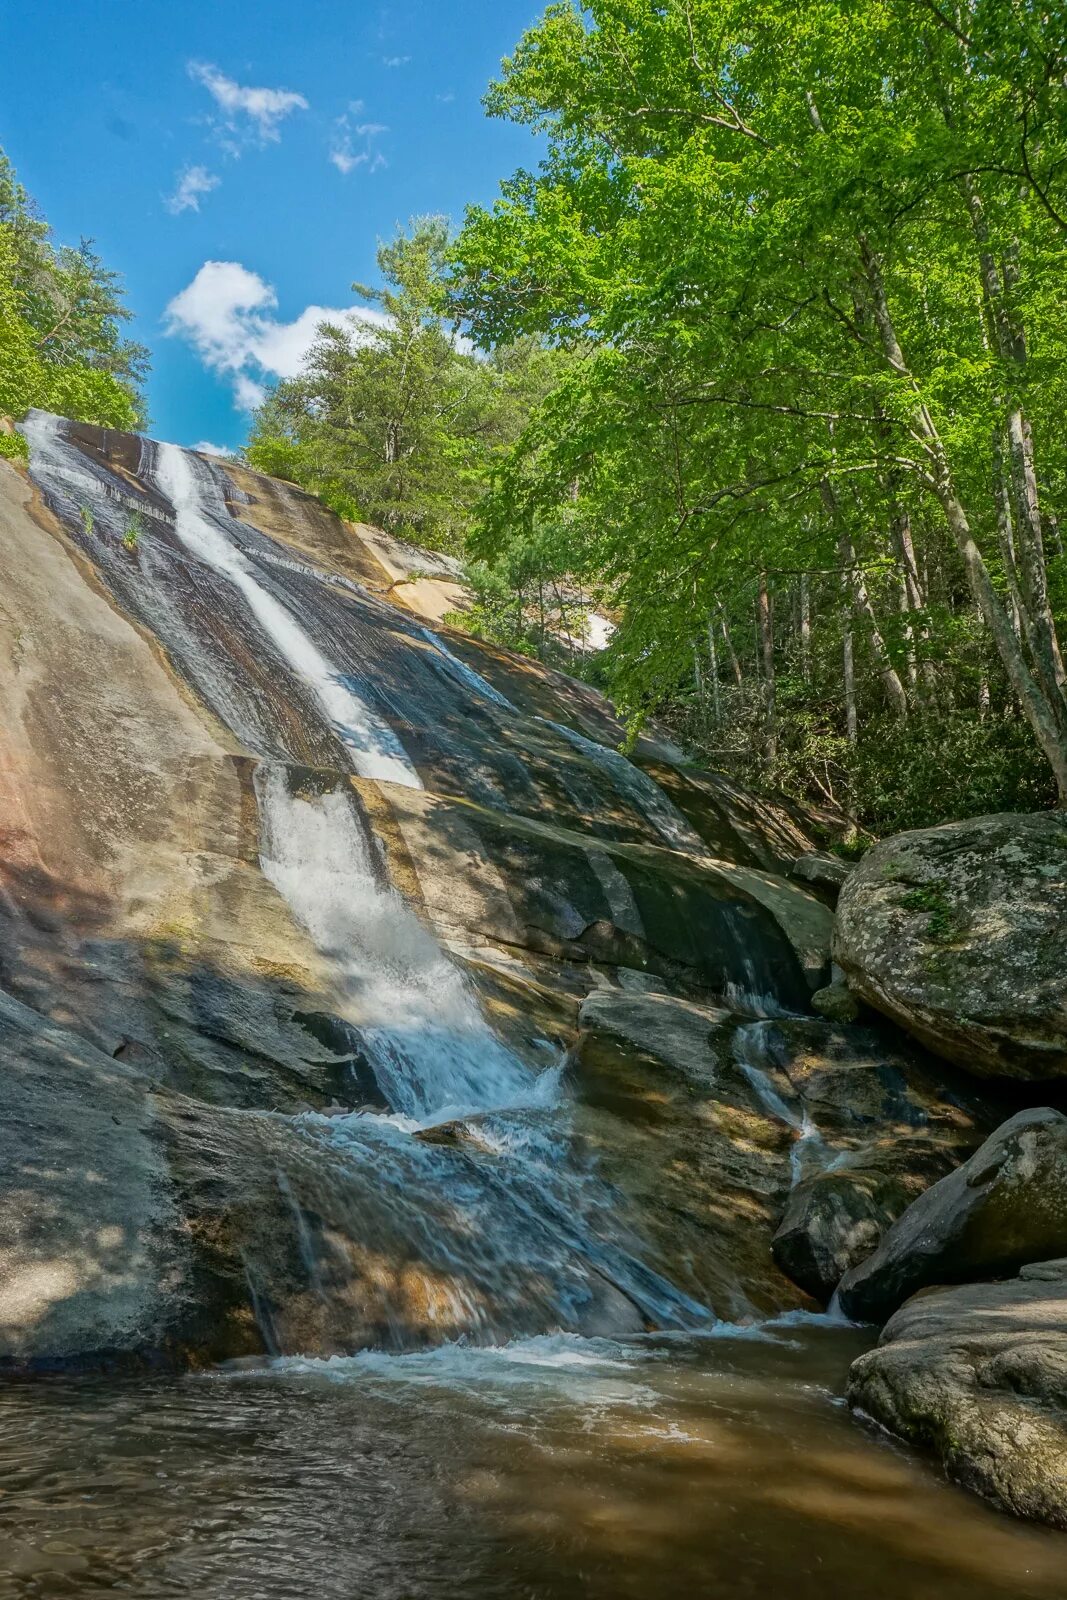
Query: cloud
x,y
206,448
395,61
245,108
354,143
192,185
228,314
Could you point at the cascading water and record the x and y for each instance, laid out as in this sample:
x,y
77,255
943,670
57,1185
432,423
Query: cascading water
x,y
516,1221
433,1054
754,1056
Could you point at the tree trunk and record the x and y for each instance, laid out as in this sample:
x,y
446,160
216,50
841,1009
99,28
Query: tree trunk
x,y
849,668
713,663
731,653
805,629
766,642
1038,710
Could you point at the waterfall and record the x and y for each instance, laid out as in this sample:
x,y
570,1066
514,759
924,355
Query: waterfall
x,y
432,1052
373,747
752,1054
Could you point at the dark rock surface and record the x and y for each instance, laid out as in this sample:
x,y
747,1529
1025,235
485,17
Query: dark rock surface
x,y
1004,1207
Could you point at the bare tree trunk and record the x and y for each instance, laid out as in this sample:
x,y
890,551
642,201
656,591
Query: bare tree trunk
x,y
1009,341
766,642
856,589
731,653
805,629
1038,710
713,663
852,728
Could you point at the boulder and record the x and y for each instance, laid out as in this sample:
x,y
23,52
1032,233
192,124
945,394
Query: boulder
x,y
882,1121
959,933
1004,1207
836,1002
978,1376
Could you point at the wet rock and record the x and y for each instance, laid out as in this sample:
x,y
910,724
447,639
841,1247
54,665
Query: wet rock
x,y
887,1125
93,1269
959,933
1004,1207
695,1161
836,1003
978,1377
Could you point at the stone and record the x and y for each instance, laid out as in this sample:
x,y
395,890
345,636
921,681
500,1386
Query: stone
x,y
977,1375
836,1003
959,933
93,1266
824,873
888,1121
1004,1207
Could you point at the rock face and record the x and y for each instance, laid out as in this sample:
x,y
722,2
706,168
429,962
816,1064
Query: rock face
x,y
959,933
270,844
1004,1207
978,1376
878,1123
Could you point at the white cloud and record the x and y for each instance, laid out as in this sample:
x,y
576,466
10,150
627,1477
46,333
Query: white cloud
x,y
354,143
192,185
228,315
243,106
206,448
395,61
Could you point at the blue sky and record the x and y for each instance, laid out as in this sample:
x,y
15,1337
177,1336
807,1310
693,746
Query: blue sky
x,y
278,139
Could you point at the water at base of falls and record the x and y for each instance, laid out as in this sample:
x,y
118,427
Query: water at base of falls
x,y
555,1468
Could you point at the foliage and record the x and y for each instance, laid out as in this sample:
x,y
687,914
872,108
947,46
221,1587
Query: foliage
x,y
393,418
61,317
809,264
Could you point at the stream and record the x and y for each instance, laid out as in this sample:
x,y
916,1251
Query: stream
x,y
553,1468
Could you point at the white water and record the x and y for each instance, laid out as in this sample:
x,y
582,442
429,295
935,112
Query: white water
x,y
753,1058
431,1050
374,749
433,1053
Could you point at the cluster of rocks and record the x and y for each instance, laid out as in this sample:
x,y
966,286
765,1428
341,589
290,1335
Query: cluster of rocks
x,y
959,934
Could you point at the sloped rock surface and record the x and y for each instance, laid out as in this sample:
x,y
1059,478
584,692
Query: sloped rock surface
x,y
978,1376
959,933
1004,1207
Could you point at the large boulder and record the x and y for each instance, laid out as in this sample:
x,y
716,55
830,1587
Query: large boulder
x,y
959,933
978,1376
1004,1207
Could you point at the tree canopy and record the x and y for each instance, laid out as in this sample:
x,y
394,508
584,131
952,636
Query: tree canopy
x,y
809,261
62,345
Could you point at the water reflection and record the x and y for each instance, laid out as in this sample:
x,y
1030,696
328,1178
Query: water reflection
x,y
555,1469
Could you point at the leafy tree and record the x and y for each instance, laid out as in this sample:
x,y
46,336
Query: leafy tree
x,y
61,319
811,262
394,418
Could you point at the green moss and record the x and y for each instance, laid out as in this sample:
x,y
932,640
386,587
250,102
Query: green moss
x,y
944,923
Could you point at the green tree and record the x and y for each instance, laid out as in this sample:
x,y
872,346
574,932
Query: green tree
x,y
61,318
393,418
812,262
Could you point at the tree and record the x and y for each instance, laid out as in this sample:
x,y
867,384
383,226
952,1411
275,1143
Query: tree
x,y
813,261
393,417
61,319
